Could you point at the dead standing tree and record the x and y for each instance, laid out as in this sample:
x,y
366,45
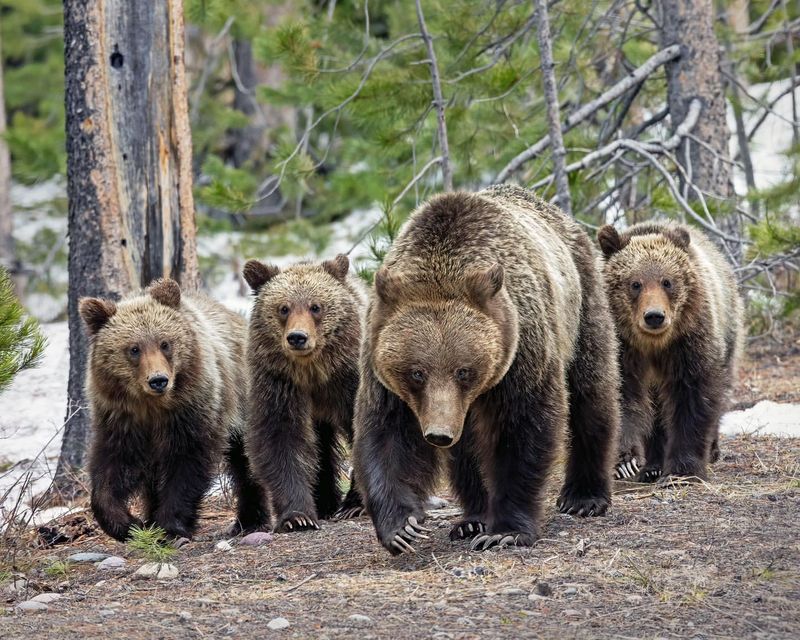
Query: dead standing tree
x,y
131,213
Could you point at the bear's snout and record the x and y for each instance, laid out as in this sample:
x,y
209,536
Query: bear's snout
x,y
158,382
654,318
297,339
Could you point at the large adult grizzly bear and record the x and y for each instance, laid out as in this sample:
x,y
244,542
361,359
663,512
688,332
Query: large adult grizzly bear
x,y
305,331
489,335
167,390
679,320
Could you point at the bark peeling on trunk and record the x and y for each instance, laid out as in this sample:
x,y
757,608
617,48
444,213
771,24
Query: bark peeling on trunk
x,y
131,211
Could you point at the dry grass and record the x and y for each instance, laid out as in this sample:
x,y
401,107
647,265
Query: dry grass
x,y
719,559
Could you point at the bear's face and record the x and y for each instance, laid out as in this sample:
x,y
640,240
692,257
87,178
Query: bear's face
x,y
141,346
649,281
438,356
299,310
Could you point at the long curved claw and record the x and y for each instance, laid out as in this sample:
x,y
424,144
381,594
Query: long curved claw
x,y
289,525
413,522
414,533
404,545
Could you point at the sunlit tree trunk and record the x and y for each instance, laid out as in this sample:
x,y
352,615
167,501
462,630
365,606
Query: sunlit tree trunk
x,y
131,213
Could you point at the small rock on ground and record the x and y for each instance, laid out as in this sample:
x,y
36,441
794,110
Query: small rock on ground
x,y
32,605
88,557
256,538
223,545
358,620
111,563
543,589
513,591
46,598
276,624
161,571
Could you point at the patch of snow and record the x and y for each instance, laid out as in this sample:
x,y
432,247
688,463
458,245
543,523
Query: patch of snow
x,y
764,418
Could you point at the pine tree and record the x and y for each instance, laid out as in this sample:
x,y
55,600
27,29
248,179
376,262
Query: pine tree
x,y
21,342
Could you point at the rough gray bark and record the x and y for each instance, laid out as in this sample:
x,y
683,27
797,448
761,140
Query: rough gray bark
x,y
131,214
697,73
551,99
7,254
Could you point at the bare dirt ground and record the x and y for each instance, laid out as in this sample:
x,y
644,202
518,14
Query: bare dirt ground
x,y
714,560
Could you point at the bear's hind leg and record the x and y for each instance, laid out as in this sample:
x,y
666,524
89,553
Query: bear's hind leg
x,y
329,455
252,510
466,482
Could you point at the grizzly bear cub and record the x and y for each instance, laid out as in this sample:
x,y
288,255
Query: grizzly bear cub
x,y
679,319
305,330
489,338
167,390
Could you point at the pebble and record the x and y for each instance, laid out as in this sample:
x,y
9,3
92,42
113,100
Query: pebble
x,y
87,557
223,545
256,538
107,613
479,571
276,624
572,613
570,591
157,570
633,599
112,563
441,604
543,589
358,620
32,605
185,616
513,591
17,585
465,622
46,598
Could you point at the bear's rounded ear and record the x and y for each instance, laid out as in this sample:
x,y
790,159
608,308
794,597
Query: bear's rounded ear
x,y
387,286
482,286
338,267
96,312
165,291
610,241
678,236
258,274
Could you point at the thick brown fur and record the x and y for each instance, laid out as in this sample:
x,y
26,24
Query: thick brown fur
x,y
490,332
302,396
167,389
677,376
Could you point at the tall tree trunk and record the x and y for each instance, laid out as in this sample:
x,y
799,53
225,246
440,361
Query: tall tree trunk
x,y
249,138
6,220
131,213
697,74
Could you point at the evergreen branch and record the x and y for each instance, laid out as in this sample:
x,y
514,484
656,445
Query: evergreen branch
x,y
439,104
635,77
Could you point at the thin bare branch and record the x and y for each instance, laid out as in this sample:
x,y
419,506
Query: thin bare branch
x,y
438,102
635,77
551,99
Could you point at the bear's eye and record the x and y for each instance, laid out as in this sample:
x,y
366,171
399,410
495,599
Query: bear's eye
x,y
418,376
463,375
667,284
134,350
164,345
315,308
636,285
284,310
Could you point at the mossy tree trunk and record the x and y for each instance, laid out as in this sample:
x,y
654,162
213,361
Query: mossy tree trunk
x,y
131,213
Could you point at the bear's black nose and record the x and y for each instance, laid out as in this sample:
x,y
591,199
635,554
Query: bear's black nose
x,y
439,439
158,383
297,339
654,319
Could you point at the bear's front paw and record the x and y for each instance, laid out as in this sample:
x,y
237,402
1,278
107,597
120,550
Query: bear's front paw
x,y
687,469
627,466
468,528
352,507
650,473
582,503
397,541
503,539
296,521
